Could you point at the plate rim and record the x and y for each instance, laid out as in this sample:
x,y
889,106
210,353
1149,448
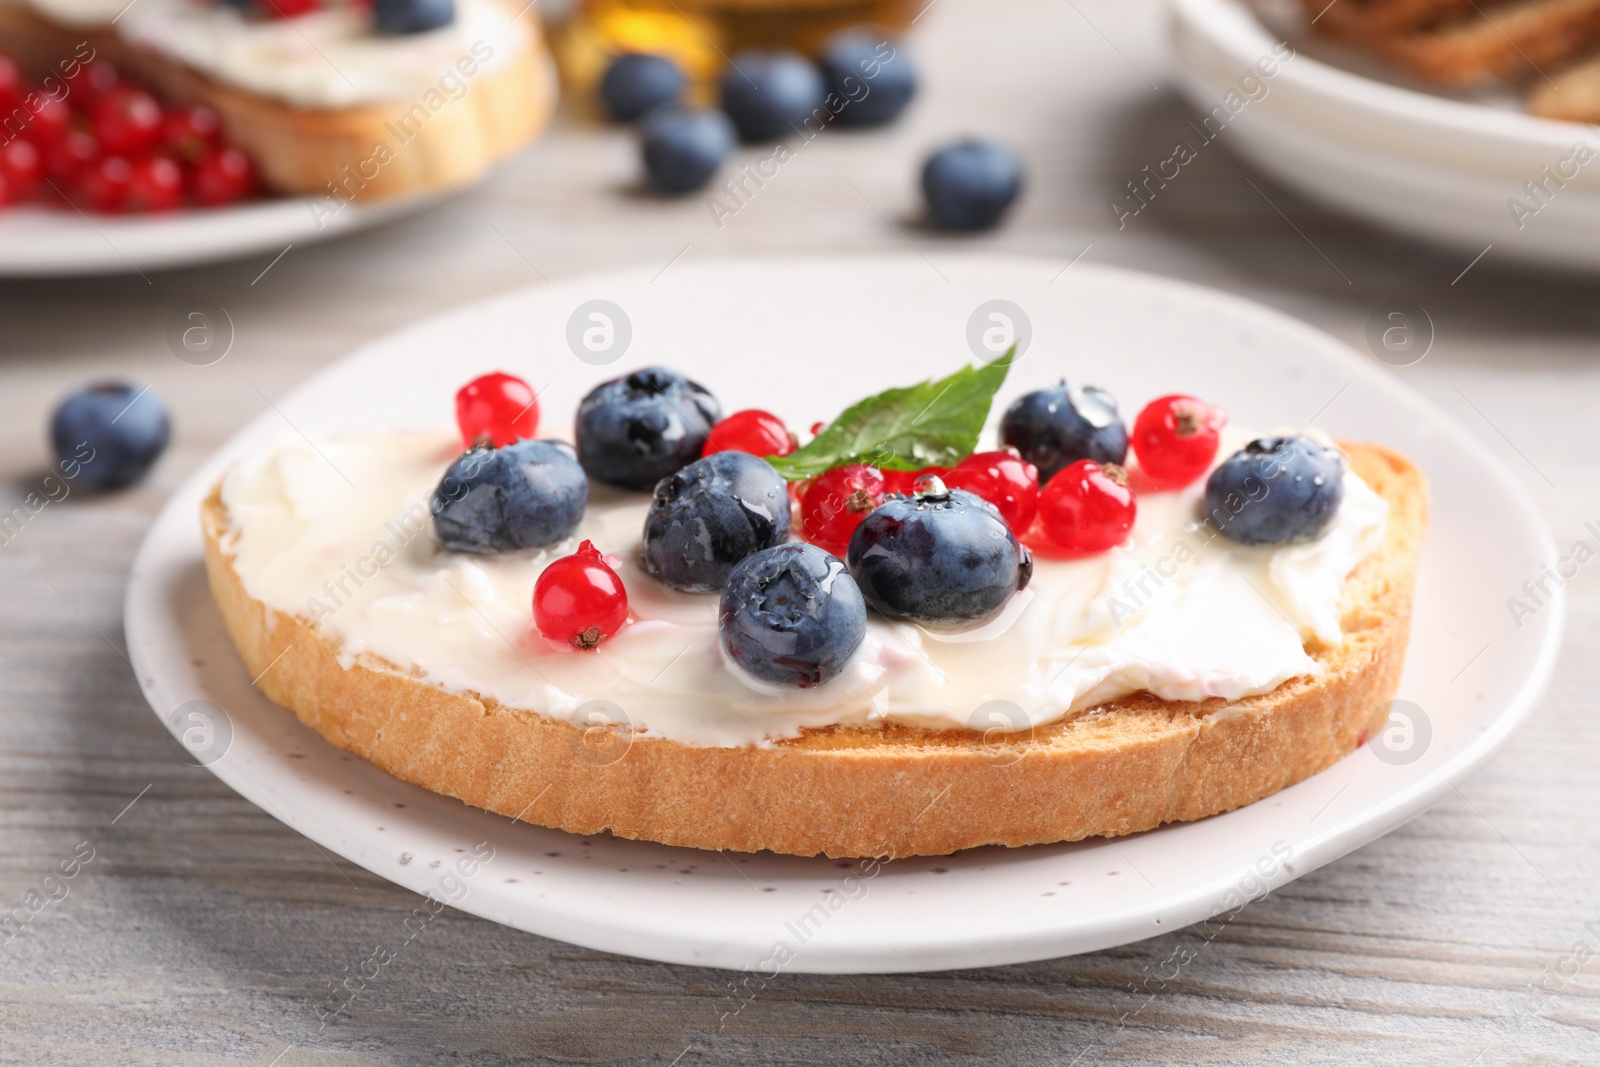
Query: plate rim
x,y
956,947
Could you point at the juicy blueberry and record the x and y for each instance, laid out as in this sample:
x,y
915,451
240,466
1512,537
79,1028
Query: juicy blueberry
x,y
1056,427
635,82
400,17
876,78
683,149
635,430
770,94
109,435
792,615
709,516
943,557
1276,490
528,495
969,185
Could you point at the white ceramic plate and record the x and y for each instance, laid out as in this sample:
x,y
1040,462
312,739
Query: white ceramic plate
x,y
803,337
54,242
1346,131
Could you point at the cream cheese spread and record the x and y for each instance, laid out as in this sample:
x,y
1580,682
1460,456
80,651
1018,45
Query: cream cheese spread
x,y
338,531
325,59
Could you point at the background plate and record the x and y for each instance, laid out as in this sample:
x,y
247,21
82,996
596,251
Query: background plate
x,y
1359,136
54,242
803,337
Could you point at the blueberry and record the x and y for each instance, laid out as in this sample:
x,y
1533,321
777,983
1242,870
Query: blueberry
x,y
683,149
769,94
636,82
943,557
1055,427
969,185
109,435
709,516
531,494
398,18
792,615
635,430
877,79
1276,490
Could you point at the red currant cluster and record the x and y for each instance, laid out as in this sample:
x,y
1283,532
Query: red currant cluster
x,y
109,146
1085,507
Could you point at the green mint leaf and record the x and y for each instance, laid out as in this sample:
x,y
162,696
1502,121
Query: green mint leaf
x,y
934,424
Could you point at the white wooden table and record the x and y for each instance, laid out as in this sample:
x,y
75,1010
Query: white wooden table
x,y
203,931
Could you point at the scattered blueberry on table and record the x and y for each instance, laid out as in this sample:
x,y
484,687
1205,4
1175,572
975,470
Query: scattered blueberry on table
x,y
770,94
792,616
638,82
110,435
683,149
876,77
970,184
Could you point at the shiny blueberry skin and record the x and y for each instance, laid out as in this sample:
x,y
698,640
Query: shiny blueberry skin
x,y
969,185
941,558
635,82
683,149
635,430
1276,490
107,436
875,76
400,17
531,494
770,94
1055,427
792,615
709,516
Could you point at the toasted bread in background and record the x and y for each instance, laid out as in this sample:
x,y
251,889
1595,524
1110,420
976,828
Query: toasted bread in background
x,y
328,151
1126,766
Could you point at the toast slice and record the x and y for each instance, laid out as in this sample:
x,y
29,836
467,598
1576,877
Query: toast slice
x,y
1129,765
1361,20
1572,95
329,151
1507,40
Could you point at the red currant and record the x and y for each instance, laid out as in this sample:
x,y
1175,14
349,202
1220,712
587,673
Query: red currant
x,y
579,600
903,483
191,131
223,177
65,160
156,184
835,503
127,120
288,9
1087,507
760,433
91,81
498,408
103,186
22,166
10,84
1176,439
1005,480
48,118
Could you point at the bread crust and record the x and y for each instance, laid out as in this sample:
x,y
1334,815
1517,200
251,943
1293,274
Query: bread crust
x,y
1129,765
303,151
